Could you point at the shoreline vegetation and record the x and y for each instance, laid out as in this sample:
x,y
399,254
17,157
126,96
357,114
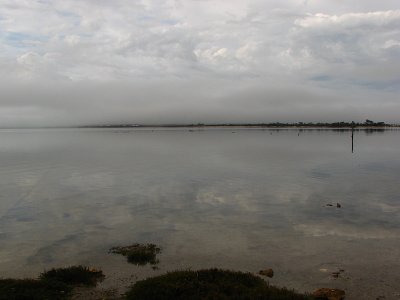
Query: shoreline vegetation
x,y
210,284
206,284
55,284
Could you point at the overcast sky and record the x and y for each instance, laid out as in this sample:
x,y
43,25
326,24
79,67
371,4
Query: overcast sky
x,y
65,62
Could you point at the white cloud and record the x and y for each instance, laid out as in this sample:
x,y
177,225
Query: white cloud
x,y
391,43
351,20
28,59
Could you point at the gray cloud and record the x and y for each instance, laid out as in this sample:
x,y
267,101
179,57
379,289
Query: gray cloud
x,y
81,62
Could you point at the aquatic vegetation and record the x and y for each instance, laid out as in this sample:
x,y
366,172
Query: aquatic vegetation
x,y
74,275
139,254
209,284
31,289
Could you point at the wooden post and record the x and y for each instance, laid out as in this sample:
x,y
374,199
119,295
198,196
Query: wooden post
x,y
352,136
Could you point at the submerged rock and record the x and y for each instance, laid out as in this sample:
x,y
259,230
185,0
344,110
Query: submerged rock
x,y
335,274
267,272
329,294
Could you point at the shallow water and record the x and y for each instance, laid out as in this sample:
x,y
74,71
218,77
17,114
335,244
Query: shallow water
x,y
243,199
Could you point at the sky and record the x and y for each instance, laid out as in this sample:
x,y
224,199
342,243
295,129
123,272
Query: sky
x,y
82,62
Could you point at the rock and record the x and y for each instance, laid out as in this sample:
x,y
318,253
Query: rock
x,y
335,274
329,294
267,272
338,205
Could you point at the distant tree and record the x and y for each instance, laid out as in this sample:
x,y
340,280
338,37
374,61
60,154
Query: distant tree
x,y
369,122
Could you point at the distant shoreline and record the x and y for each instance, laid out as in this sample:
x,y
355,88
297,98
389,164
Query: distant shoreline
x,y
276,125
341,125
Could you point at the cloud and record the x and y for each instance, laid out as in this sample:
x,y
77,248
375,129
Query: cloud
x,y
207,51
351,20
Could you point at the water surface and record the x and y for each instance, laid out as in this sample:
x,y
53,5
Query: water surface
x,y
236,198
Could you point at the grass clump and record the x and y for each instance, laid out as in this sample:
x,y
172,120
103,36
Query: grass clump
x,y
31,289
74,275
212,284
139,254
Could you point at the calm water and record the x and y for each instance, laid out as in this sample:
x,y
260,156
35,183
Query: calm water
x,y
243,199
